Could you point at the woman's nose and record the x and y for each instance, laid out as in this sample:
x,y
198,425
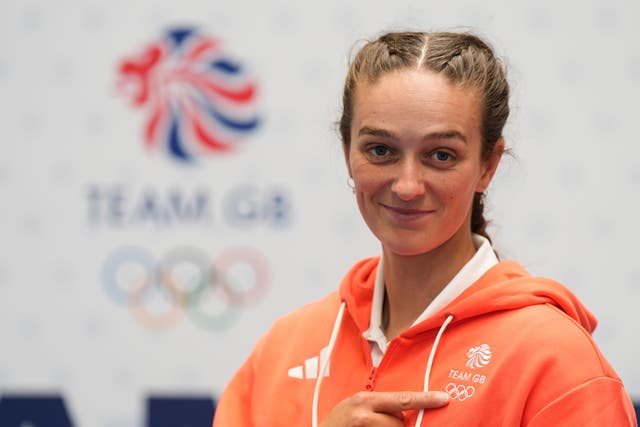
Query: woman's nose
x,y
409,183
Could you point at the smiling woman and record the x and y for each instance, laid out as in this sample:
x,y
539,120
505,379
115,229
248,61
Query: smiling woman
x,y
417,157
422,124
417,163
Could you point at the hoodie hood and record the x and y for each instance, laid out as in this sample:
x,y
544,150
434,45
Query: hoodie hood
x,y
506,286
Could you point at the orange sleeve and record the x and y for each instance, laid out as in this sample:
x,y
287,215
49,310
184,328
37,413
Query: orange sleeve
x,y
599,402
235,406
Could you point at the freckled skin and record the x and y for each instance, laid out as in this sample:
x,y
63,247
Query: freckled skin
x,y
415,158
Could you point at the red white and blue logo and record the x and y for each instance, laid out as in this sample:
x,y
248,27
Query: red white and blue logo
x,y
198,99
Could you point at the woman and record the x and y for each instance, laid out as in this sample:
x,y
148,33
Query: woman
x,y
422,124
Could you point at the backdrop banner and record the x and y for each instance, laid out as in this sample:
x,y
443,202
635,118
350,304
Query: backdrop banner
x,y
172,181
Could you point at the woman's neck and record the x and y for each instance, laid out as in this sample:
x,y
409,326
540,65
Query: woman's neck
x,y
412,282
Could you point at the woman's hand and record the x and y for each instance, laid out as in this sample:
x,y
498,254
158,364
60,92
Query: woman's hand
x,y
381,409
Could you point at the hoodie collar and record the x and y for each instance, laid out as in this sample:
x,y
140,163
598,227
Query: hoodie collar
x,y
505,286
479,264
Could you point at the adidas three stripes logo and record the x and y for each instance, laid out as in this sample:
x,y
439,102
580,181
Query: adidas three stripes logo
x,y
311,367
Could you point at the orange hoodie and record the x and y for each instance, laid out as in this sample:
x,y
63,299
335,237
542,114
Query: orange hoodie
x,y
515,350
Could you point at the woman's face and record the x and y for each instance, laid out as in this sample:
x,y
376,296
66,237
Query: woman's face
x,y
415,158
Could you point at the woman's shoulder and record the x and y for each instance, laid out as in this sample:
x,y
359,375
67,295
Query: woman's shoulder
x,y
561,361
304,323
546,336
322,309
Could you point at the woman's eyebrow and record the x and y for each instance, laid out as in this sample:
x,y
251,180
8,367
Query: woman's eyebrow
x,y
366,130
449,134
382,133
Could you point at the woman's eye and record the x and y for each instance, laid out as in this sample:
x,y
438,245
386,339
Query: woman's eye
x,y
380,151
442,156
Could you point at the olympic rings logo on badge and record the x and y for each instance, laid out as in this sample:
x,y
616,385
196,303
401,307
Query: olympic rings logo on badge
x,y
459,392
186,282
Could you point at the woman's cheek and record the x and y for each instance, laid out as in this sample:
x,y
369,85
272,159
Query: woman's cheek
x,y
369,179
365,173
357,162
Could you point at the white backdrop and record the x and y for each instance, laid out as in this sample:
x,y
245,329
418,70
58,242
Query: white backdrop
x,y
565,205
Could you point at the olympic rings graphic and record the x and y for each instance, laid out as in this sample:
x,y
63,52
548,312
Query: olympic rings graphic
x,y
185,281
460,392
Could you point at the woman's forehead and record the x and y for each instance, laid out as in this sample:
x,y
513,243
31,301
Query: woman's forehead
x,y
414,98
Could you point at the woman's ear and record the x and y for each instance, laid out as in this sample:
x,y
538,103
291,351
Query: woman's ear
x,y
490,166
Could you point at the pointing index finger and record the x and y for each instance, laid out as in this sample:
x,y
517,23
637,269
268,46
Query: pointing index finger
x,y
394,402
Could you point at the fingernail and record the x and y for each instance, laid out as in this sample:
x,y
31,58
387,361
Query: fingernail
x,y
441,397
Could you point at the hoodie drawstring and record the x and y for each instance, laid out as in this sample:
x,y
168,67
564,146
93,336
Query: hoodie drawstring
x,y
432,355
325,364
332,341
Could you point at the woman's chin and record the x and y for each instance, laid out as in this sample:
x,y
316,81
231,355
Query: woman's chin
x,y
407,249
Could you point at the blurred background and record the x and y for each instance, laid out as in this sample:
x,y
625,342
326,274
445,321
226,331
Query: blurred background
x,y
172,182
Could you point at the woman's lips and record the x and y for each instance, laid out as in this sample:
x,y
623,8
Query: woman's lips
x,y
406,214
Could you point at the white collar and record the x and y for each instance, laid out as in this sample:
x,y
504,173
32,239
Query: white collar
x,y
480,263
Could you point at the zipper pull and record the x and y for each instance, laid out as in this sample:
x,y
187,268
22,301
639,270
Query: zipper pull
x,y
371,379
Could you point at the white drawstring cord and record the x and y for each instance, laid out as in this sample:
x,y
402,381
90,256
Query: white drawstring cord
x,y
325,364
432,355
332,341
